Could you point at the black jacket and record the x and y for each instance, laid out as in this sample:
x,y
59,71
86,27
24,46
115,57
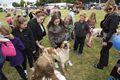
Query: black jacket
x,y
30,15
81,29
110,24
37,31
26,36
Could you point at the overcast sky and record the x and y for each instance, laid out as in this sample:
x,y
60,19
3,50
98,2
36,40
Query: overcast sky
x,y
9,2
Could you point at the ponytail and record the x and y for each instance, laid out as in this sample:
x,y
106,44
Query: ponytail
x,y
11,36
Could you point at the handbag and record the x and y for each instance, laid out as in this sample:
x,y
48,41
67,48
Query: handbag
x,y
112,37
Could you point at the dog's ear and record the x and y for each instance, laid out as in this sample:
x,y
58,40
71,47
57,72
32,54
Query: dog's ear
x,y
69,45
61,46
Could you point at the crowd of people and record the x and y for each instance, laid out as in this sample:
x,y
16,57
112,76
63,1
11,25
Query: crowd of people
x,y
21,39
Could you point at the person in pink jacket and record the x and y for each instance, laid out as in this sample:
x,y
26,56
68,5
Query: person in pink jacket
x,y
5,50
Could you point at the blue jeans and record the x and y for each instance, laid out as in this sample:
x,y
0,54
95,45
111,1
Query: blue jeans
x,y
77,42
67,37
48,13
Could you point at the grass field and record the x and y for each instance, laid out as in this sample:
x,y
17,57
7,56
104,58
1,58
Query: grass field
x,y
82,68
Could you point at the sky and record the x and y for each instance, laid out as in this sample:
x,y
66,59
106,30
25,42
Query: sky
x,y
9,2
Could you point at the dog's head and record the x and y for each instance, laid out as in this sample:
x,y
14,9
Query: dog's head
x,y
65,45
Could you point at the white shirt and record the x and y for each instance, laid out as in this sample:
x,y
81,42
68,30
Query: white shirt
x,y
58,74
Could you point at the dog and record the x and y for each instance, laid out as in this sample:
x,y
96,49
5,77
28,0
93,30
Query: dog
x,y
96,31
62,56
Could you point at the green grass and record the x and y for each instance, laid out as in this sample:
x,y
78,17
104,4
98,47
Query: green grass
x,y
82,68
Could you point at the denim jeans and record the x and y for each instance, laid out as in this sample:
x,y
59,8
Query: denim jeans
x,y
67,37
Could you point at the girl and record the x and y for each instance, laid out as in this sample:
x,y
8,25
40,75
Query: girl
x,y
25,34
68,23
44,70
37,27
92,24
5,50
9,20
18,59
68,26
56,33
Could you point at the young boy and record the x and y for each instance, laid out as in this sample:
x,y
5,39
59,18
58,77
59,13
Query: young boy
x,y
81,29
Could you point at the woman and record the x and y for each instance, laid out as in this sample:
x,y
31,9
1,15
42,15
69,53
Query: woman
x,y
109,26
31,14
56,33
38,31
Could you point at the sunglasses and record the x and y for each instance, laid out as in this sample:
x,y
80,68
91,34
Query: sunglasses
x,y
109,9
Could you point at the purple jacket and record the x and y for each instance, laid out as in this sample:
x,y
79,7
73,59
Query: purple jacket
x,y
48,10
18,59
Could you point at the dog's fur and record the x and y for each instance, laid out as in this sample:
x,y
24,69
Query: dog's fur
x,y
96,31
118,32
62,56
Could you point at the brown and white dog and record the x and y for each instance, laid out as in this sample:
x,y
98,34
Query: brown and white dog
x,y
96,31
62,56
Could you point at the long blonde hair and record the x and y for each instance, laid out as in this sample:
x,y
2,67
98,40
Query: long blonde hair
x,y
69,17
44,67
110,2
18,20
6,30
92,19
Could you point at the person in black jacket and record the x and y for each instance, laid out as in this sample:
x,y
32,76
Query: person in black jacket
x,y
31,14
81,29
109,26
36,25
26,36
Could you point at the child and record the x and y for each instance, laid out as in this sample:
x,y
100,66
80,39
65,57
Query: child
x,y
81,29
44,70
68,23
92,24
26,36
68,26
116,70
5,50
18,59
9,20
56,33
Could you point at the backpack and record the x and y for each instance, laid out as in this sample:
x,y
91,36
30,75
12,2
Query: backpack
x,y
1,59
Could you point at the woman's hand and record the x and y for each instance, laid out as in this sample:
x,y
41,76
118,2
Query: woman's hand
x,y
118,70
58,50
42,47
34,52
104,44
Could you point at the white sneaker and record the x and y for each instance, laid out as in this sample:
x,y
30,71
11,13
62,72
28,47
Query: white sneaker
x,y
69,62
25,71
32,68
56,65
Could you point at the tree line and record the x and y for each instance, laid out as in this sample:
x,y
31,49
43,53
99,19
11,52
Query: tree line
x,y
42,2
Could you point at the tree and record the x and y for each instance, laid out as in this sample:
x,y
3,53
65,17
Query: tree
x,y
28,3
15,4
22,2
